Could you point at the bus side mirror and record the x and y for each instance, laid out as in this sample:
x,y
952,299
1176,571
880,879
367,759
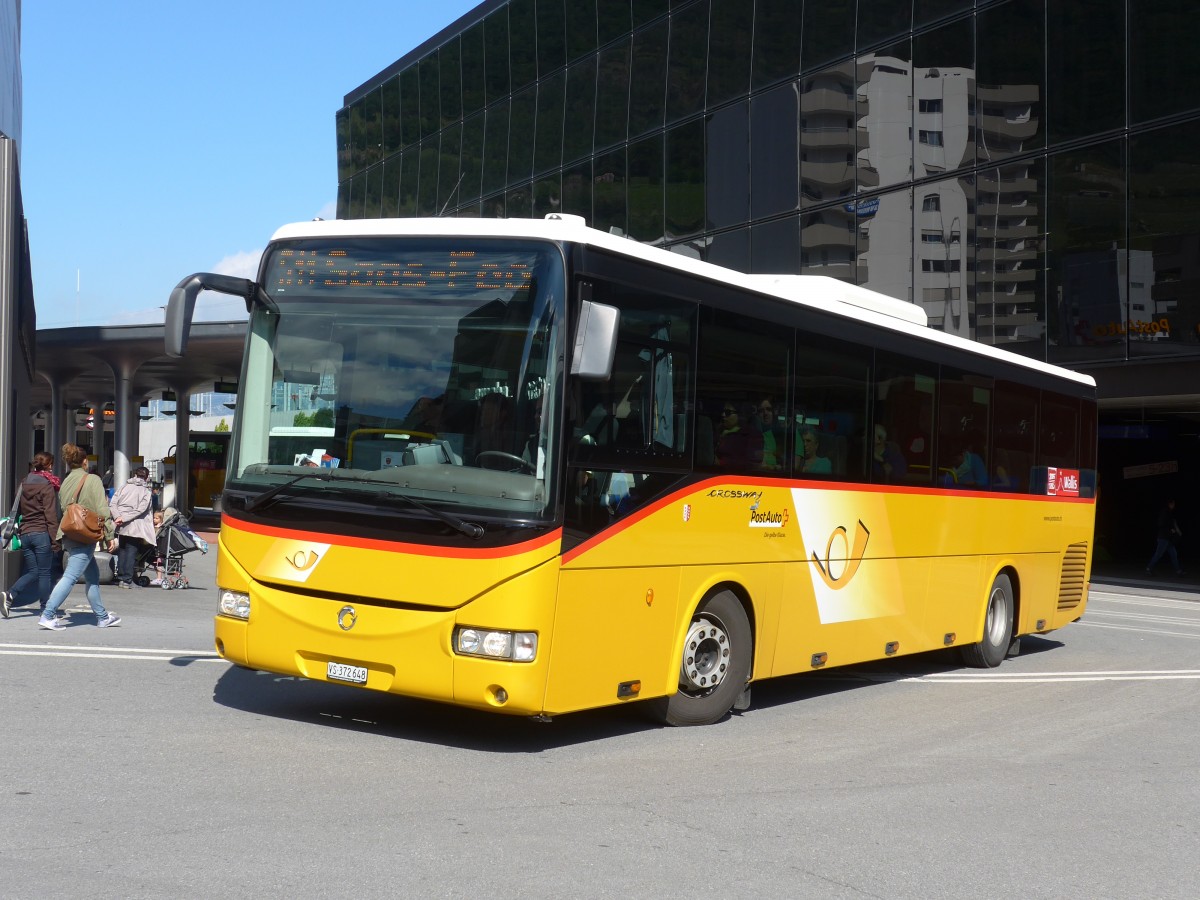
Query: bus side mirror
x,y
595,341
183,302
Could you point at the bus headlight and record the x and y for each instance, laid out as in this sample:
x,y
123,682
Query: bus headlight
x,y
234,604
517,646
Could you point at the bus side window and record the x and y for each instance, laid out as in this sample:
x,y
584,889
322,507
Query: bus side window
x,y
642,410
904,401
964,419
831,388
1014,437
741,367
1058,437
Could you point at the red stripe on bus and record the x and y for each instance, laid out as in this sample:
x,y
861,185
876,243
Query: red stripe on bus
x,y
788,484
295,534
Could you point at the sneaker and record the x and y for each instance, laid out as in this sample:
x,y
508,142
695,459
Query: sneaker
x,y
5,604
50,624
156,582
125,585
109,621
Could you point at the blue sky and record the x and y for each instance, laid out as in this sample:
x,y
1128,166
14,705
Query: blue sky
x,y
162,139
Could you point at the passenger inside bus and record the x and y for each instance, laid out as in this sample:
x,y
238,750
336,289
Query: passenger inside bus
x,y
1005,476
769,424
969,469
739,442
808,457
887,462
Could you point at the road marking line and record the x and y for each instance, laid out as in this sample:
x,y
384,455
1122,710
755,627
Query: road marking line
x,y
1144,617
187,656
1130,600
1138,630
1015,678
24,646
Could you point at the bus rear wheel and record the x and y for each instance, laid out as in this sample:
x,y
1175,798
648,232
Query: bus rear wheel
x,y
715,664
997,628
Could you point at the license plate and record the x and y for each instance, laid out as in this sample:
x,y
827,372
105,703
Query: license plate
x,y
342,672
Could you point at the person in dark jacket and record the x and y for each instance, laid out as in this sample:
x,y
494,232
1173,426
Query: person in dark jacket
x,y
1168,536
39,530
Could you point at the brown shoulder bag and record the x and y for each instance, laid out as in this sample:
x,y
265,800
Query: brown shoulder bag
x,y
79,523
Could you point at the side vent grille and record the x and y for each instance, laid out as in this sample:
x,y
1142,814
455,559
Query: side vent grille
x,y
1074,574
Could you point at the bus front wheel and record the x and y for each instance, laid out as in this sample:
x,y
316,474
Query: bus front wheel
x,y
997,628
715,664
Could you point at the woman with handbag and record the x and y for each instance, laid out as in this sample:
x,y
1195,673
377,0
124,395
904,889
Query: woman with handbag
x,y
85,520
39,530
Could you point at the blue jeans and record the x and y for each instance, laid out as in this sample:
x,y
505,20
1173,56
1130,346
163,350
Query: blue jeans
x,y
37,556
1164,546
81,562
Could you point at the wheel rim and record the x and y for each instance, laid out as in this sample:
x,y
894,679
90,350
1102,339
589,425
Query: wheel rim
x,y
997,617
705,656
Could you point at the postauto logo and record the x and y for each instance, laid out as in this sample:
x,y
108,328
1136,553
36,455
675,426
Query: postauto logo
x,y
768,518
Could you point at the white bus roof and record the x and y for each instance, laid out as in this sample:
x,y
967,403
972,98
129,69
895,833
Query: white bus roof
x,y
815,291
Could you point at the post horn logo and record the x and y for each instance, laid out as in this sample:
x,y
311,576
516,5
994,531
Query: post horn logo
x,y
303,560
346,618
854,556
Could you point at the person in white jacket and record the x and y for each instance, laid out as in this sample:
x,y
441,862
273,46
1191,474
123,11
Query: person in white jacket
x,y
133,515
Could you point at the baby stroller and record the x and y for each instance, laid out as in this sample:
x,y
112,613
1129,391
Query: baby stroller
x,y
175,540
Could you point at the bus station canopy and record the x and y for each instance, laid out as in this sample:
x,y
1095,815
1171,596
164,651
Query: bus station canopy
x,y
84,363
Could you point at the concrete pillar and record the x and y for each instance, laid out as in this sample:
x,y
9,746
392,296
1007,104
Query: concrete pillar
x,y
125,431
183,462
58,421
99,436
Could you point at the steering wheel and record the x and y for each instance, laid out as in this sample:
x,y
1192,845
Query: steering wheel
x,y
519,463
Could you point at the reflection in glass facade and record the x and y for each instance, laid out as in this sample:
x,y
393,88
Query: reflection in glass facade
x,y
908,148
1024,170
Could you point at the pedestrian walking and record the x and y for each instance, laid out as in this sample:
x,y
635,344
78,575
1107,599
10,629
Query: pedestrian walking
x,y
88,491
1169,536
39,530
131,511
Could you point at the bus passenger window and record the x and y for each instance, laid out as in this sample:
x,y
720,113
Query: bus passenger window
x,y
1014,437
831,391
642,411
742,377
964,420
904,397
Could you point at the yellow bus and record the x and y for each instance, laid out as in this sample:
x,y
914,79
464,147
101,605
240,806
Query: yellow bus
x,y
559,470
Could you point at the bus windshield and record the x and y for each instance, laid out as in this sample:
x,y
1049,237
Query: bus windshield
x,y
408,369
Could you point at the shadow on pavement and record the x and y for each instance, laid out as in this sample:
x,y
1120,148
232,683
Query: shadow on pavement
x,y
339,706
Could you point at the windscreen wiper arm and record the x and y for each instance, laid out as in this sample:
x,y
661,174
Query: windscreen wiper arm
x,y
256,502
470,529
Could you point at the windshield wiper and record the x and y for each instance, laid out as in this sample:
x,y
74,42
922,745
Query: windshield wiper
x,y
470,529
256,502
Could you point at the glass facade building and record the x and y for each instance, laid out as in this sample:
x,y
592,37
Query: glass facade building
x,y
1024,170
